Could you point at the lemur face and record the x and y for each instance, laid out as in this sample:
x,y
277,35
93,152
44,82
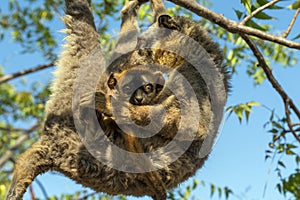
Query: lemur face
x,y
138,86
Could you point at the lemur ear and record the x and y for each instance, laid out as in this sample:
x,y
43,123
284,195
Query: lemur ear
x,y
112,82
163,19
160,80
167,22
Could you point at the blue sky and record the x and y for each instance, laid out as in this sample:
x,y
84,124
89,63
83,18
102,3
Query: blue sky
x,y
237,160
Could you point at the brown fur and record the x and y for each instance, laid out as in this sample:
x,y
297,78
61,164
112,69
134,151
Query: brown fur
x,y
61,149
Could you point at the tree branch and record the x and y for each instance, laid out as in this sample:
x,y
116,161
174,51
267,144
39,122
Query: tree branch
x,y
262,63
231,25
258,10
244,31
286,33
288,119
10,152
24,72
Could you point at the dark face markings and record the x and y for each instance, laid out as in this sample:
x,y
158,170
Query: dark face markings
x,y
140,87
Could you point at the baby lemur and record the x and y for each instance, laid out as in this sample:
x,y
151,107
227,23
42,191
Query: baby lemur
x,y
138,86
160,102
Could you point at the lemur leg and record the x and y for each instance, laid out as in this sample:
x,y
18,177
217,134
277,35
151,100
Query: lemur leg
x,y
81,40
80,10
29,164
129,16
128,35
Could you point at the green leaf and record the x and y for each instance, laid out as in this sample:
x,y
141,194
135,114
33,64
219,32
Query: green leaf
x,y
281,164
273,130
247,114
227,192
247,5
279,188
239,14
253,103
291,184
195,184
291,146
295,5
187,192
290,152
220,192
212,189
280,148
297,37
297,159
263,2
240,109
252,24
264,16
277,125
239,113
259,76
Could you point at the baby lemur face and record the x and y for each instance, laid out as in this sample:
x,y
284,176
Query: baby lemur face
x,y
138,86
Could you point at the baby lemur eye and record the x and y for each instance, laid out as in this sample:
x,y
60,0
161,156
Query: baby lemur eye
x,y
148,87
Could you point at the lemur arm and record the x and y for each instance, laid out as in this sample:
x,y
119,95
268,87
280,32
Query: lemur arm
x,y
81,40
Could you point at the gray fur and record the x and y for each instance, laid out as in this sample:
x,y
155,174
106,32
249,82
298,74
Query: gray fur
x,y
61,149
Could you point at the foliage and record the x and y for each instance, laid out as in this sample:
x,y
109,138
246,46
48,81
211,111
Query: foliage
x,y
31,25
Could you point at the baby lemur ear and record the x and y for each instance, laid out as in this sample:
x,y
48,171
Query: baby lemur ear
x,y
166,21
112,82
160,80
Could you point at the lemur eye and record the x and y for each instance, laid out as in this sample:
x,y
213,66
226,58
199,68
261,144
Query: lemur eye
x,y
148,87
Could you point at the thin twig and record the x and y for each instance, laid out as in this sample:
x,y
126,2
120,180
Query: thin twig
x,y
268,72
296,124
42,188
296,130
288,30
32,194
7,174
287,101
288,119
10,152
258,10
24,72
231,25
12,129
87,196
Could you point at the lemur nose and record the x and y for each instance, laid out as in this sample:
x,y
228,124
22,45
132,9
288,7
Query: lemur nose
x,y
138,99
